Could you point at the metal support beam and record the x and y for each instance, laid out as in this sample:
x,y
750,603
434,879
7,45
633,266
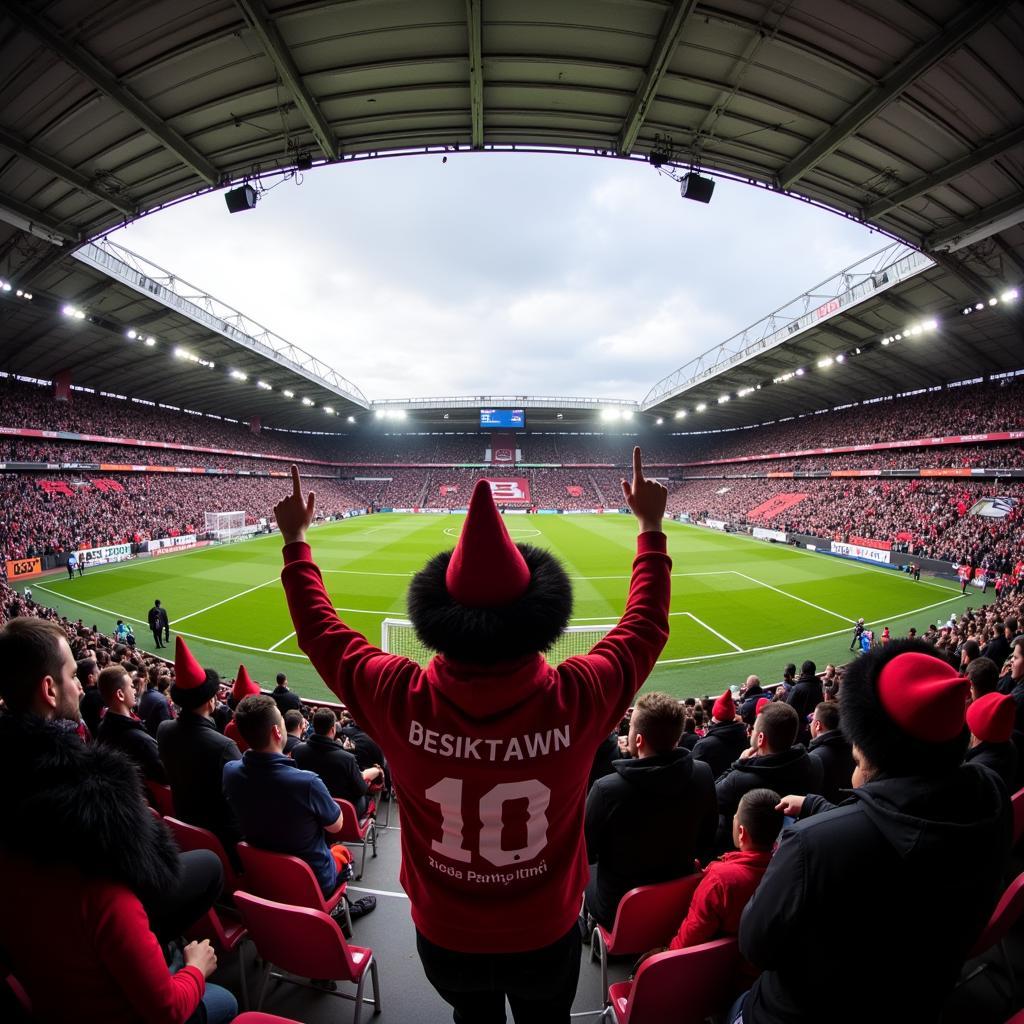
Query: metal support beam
x,y
62,171
979,226
968,162
280,56
664,48
27,218
93,71
956,32
474,19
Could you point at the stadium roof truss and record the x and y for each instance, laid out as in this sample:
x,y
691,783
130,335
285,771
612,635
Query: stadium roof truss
x,y
908,116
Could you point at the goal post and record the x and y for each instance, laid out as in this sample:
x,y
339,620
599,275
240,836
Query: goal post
x,y
224,525
397,636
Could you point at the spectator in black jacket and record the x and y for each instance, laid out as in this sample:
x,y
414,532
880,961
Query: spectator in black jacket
x,y
283,697
983,675
323,754
725,739
295,727
689,739
774,760
364,747
91,705
154,706
804,697
648,821
751,693
120,728
831,749
990,719
998,648
1013,682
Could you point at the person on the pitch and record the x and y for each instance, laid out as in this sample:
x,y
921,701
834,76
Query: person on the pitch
x,y
159,625
489,745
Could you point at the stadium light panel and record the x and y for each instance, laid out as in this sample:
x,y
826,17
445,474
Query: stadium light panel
x,y
886,341
992,301
1009,296
288,394
659,421
329,409
351,419
151,341
238,375
841,358
308,401
702,406
131,334
979,305
680,414
826,362
799,371
722,399
264,385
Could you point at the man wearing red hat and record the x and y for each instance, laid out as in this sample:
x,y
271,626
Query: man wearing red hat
x,y
490,745
194,752
243,687
991,720
879,881
725,739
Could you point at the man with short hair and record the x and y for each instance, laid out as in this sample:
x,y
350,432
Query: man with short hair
x,y
857,883
858,629
91,705
153,707
830,748
323,754
283,697
774,760
40,675
294,725
119,728
998,648
725,739
72,565
194,752
649,820
805,696
787,684
751,693
159,624
983,675
1013,682
280,807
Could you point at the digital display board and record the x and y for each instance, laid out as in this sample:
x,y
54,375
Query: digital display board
x,y
506,419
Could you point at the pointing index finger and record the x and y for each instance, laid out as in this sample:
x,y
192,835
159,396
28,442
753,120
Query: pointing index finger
x,y
638,468
296,483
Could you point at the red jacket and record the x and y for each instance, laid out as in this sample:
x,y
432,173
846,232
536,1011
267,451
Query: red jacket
x,y
84,951
718,901
491,762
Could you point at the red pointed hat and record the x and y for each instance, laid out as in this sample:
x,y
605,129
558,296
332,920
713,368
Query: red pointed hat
x,y
244,686
486,569
991,718
724,709
924,696
188,673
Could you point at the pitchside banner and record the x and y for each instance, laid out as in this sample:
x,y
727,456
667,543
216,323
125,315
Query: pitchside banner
x,y
511,492
186,540
100,556
23,568
762,534
860,551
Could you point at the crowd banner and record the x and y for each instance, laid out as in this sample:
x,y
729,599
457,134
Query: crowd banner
x,y
762,534
100,556
715,524
23,568
870,542
185,540
860,551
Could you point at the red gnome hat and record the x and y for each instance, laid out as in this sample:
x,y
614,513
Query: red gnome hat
x,y
244,686
486,569
193,685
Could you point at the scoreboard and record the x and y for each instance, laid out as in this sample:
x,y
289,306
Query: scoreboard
x,y
502,419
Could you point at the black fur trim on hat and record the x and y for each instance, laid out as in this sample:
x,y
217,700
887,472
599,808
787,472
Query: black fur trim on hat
x,y
865,723
198,694
486,636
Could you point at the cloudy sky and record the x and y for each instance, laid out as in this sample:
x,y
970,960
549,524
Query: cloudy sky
x,y
501,274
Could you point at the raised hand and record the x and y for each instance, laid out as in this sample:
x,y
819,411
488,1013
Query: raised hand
x,y
646,498
294,514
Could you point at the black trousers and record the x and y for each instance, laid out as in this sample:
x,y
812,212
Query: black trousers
x,y
202,879
540,983
156,637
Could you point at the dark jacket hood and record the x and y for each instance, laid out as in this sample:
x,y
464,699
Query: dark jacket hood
x,y
832,738
770,766
916,814
727,730
659,774
65,802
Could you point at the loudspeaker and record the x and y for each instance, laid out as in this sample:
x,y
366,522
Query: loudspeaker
x,y
693,186
239,199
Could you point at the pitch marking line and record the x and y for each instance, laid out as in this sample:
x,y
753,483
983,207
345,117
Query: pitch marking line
x,y
810,604
724,639
274,647
233,597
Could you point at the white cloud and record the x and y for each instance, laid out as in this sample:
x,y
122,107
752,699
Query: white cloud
x,y
503,273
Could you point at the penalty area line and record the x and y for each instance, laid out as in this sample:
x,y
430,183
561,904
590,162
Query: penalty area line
x,y
724,639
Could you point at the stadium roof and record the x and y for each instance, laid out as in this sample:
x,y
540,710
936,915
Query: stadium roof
x,y
906,116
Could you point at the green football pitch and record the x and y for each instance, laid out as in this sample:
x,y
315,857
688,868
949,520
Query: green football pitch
x,y
739,606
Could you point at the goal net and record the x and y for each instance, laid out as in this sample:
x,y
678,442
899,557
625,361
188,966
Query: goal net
x,y
398,637
225,525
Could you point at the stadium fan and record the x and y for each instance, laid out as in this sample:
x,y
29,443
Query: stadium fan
x,y
936,833
804,697
653,816
464,738
91,704
243,687
729,882
159,624
991,720
120,729
194,752
295,727
725,739
1012,682
751,693
283,697
774,760
831,749
154,707
324,755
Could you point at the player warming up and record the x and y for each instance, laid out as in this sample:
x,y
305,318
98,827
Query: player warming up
x,y
490,745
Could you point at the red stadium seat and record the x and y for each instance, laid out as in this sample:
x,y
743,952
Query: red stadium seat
x,y
1007,913
252,1017
227,933
309,944
355,832
381,797
160,797
286,879
684,986
192,837
646,917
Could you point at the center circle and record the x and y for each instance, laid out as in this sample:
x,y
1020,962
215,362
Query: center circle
x,y
452,532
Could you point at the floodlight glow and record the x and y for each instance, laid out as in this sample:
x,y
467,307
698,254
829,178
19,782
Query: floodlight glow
x,y
351,419
799,371
180,353
608,415
150,342
1009,296
680,414
288,394
841,358
992,301
264,385
931,325
702,406
743,392
966,310
979,305
379,414
308,401
886,341
827,361
238,375
627,414
6,285
329,409
131,333
659,421
722,399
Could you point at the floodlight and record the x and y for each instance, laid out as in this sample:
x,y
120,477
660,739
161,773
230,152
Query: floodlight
x,y
659,421
288,394
238,375
329,409
702,406
351,419
722,399
150,342
131,333
239,199
979,305
826,361
680,414
841,358
264,385
799,371
992,301
931,325
308,401
1009,296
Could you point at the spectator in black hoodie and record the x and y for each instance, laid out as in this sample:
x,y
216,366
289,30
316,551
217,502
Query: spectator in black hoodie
x,y
725,739
990,719
830,748
774,760
751,693
119,728
648,821
91,704
804,697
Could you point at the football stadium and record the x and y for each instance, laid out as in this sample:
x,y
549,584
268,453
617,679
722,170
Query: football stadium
x,y
562,289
